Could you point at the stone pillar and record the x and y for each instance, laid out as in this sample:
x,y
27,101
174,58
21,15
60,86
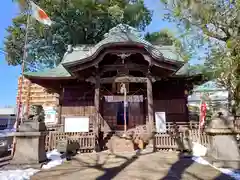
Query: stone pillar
x,y
223,151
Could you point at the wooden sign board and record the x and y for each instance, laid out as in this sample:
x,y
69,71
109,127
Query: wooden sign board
x,y
160,118
76,124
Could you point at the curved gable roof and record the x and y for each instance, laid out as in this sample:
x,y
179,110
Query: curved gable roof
x,y
120,34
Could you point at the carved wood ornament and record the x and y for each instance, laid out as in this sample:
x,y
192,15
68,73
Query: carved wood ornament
x,y
123,56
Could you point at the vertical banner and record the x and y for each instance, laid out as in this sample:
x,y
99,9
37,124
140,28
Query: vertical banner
x,y
203,114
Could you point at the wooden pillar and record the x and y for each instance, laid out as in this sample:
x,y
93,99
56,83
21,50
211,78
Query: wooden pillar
x,y
60,103
97,127
150,105
97,100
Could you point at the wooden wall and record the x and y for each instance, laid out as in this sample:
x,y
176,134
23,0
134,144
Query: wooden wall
x,y
169,97
78,100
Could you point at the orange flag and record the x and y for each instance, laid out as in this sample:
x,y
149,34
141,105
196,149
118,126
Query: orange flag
x,y
40,14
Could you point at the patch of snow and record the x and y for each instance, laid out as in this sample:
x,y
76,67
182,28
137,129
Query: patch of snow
x,y
56,159
198,149
19,174
232,173
200,160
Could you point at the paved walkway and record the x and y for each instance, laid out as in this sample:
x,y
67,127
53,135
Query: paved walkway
x,y
152,166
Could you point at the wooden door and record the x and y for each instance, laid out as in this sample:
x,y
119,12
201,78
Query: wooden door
x,y
136,114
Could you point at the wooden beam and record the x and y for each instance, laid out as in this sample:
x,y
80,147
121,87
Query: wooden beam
x,y
126,79
130,66
122,79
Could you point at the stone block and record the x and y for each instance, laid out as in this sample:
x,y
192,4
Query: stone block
x,y
32,126
30,148
223,151
120,144
62,145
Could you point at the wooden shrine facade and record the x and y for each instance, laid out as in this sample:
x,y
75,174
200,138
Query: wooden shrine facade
x,y
96,89
91,85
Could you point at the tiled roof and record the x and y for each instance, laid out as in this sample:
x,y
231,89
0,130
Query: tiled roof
x,y
120,34
58,71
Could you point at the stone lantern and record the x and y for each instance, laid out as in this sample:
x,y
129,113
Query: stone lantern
x,y
30,139
223,151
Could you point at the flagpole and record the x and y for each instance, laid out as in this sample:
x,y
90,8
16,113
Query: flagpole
x,y
20,105
23,67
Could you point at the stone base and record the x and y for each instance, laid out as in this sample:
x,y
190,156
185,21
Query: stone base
x,y
30,149
119,144
224,151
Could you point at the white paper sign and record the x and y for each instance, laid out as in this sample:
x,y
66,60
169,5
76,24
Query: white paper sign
x,y
76,124
160,118
50,115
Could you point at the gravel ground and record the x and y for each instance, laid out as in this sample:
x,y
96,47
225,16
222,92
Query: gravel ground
x,y
152,166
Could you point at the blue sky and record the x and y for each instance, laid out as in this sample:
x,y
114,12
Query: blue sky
x,y
9,74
